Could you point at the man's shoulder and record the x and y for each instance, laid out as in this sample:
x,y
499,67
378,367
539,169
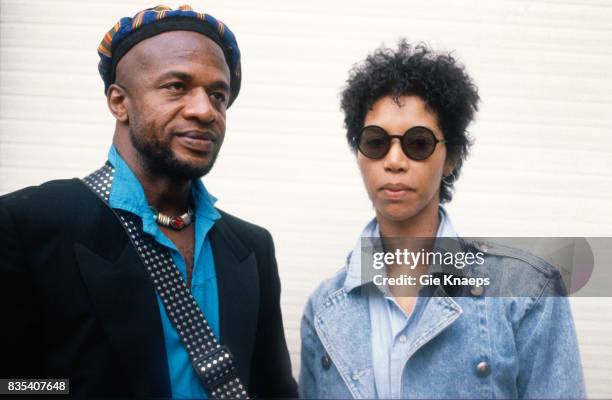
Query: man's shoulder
x,y
51,207
244,229
242,236
53,195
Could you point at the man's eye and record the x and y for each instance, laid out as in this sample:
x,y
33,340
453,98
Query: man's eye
x,y
175,86
220,97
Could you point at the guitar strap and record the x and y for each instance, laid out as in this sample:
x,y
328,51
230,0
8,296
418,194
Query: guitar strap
x,y
212,362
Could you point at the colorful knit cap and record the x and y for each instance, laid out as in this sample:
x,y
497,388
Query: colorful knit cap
x,y
150,22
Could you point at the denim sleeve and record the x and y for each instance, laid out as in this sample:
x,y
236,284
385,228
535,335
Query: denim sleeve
x,y
549,358
308,382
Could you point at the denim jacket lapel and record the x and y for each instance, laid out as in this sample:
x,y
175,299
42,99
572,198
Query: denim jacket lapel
x,y
439,313
343,325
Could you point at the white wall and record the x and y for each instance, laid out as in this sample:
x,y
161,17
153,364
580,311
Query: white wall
x,y
541,166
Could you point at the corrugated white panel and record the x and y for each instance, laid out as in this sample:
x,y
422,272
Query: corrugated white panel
x,y
542,163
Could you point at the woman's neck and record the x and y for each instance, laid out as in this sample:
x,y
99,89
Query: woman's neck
x,y
402,235
423,224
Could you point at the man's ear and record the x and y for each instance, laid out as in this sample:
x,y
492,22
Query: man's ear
x,y
117,101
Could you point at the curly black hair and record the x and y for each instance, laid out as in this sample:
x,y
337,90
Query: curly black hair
x,y
437,78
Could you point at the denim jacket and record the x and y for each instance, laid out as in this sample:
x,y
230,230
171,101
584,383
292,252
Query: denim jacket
x,y
470,346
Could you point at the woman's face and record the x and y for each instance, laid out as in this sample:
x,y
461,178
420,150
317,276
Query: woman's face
x,y
401,188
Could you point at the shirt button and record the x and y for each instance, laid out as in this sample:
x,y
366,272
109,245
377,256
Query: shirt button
x,y
325,362
403,339
477,291
483,369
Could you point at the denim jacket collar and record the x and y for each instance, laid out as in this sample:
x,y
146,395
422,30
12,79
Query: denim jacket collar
x,y
372,230
343,321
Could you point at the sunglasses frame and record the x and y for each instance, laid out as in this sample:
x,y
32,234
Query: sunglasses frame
x,y
400,137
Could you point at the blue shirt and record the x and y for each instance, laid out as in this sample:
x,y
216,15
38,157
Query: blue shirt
x,y
391,326
127,194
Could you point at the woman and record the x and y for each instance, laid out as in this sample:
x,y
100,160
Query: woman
x,y
406,114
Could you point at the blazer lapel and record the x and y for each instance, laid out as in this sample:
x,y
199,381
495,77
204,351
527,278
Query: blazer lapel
x,y
238,293
124,300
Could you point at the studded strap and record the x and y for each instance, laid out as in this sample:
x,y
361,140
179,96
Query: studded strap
x,y
212,362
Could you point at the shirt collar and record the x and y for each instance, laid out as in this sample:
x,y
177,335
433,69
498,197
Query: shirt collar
x,y
127,194
372,230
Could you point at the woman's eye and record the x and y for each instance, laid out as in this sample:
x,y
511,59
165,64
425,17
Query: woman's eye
x,y
375,142
417,142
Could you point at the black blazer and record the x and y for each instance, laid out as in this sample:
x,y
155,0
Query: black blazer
x,y
76,302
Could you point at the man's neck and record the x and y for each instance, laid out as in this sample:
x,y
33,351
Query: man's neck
x,y
164,193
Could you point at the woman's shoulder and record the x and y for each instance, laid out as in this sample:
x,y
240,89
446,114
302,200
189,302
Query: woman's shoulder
x,y
520,273
519,258
326,291
518,281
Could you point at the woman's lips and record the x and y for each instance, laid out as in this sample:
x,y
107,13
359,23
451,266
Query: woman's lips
x,y
395,191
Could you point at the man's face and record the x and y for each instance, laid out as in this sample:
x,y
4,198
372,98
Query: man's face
x,y
401,188
177,91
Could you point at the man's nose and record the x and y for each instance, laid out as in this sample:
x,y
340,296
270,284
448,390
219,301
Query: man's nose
x,y
396,160
200,107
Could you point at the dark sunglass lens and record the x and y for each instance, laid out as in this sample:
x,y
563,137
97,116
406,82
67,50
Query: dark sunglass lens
x,y
419,143
374,142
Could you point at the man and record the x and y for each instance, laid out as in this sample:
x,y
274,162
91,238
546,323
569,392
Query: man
x,y
130,282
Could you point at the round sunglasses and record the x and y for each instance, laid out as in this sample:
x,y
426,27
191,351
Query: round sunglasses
x,y
418,143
